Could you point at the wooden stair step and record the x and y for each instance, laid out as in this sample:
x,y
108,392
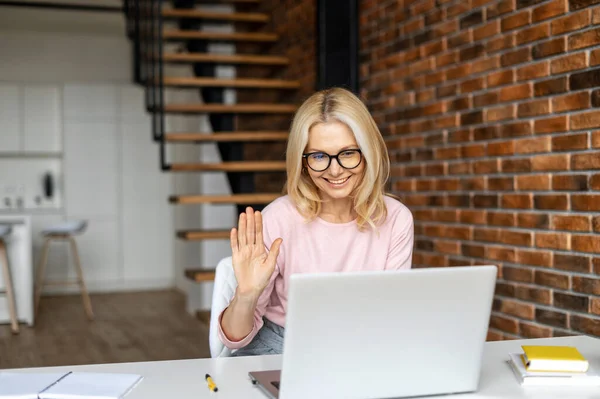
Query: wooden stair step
x,y
231,108
232,83
199,275
175,34
254,198
237,166
226,136
214,16
191,235
226,58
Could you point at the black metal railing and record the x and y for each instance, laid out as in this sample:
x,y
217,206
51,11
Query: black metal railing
x,y
144,24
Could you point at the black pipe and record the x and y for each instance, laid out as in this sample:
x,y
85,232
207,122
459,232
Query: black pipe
x,y
59,6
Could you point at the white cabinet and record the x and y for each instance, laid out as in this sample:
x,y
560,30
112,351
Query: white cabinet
x,y
42,119
10,118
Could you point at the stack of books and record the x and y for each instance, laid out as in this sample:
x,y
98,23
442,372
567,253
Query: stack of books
x,y
552,366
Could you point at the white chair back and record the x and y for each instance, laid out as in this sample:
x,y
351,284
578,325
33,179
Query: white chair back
x,y
224,289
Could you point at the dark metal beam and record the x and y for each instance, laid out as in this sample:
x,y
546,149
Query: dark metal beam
x,y
60,6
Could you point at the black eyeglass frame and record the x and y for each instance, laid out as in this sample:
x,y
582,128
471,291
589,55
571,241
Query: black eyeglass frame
x,y
305,156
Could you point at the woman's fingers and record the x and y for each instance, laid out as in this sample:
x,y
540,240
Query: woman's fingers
x,y
274,251
250,227
242,230
233,240
259,227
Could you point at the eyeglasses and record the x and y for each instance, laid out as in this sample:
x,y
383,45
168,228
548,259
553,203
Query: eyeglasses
x,y
320,161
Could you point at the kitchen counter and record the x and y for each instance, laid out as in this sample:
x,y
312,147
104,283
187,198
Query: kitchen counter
x,y
19,248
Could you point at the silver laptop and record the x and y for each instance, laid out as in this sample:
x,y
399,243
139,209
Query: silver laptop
x,y
383,334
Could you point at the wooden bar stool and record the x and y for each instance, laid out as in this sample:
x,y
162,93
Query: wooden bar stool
x,y
9,292
62,232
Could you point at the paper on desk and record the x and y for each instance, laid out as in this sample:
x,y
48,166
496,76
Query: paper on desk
x,y
26,385
92,386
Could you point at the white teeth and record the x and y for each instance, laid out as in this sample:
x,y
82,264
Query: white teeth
x,y
338,181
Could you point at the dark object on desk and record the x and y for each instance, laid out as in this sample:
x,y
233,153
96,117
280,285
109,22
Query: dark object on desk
x,y
48,185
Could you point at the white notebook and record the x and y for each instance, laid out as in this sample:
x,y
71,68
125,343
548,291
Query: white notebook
x,y
545,378
26,385
92,386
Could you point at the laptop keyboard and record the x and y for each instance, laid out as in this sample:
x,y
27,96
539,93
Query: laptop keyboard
x,y
275,384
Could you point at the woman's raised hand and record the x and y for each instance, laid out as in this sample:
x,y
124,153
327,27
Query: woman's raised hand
x,y
252,264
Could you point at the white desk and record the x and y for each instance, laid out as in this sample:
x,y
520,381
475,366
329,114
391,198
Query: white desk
x,y
184,379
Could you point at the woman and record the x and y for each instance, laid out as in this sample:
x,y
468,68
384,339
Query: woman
x,y
334,218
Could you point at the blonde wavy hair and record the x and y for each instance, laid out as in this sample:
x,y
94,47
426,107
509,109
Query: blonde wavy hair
x,y
340,105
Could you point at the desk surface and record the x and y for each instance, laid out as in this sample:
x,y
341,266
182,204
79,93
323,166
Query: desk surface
x,y
184,379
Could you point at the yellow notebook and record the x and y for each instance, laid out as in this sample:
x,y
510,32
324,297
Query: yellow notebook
x,y
554,358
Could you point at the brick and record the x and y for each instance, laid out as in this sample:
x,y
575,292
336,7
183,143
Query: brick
x,y
460,39
595,98
457,9
595,182
570,142
471,19
585,161
551,279
501,219
472,151
435,16
573,263
571,302
501,148
500,43
499,8
578,4
485,99
595,306
585,202
549,10
504,323
471,118
596,16
549,48
585,80
459,168
571,22
554,162
551,318
500,78
425,185
585,324
490,29
527,3
486,64
485,201
571,62
471,52
504,289
500,183
533,108
486,166
520,274
533,71
550,125
446,59
535,258
473,183
571,223
492,336
532,34
486,133
533,182
539,295
532,145
486,235
459,104
501,113
516,165
596,140
500,253
584,39
551,201
515,57
529,330
594,57
533,220
552,240
516,129
446,184
472,217
516,92
517,201
472,85
570,182
516,238
518,309
516,20
586,285
586,243
458,72
435,78
460,135
551,86
448,247
472,250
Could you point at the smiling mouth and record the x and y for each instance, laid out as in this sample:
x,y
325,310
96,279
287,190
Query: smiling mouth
x,y
338,181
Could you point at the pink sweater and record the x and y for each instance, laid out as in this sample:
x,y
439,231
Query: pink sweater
x,y
321,246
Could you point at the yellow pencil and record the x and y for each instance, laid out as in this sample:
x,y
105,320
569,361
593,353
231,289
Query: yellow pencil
x,y
211,383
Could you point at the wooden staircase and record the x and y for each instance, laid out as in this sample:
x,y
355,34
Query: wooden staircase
x,y
192,42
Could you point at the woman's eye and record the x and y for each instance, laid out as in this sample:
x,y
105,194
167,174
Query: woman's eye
x,y
318,157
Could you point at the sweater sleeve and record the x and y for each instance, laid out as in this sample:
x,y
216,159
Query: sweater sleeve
x,y
270,233
401,249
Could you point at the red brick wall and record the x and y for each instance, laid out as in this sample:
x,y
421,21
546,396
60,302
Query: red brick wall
x,y
488,108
